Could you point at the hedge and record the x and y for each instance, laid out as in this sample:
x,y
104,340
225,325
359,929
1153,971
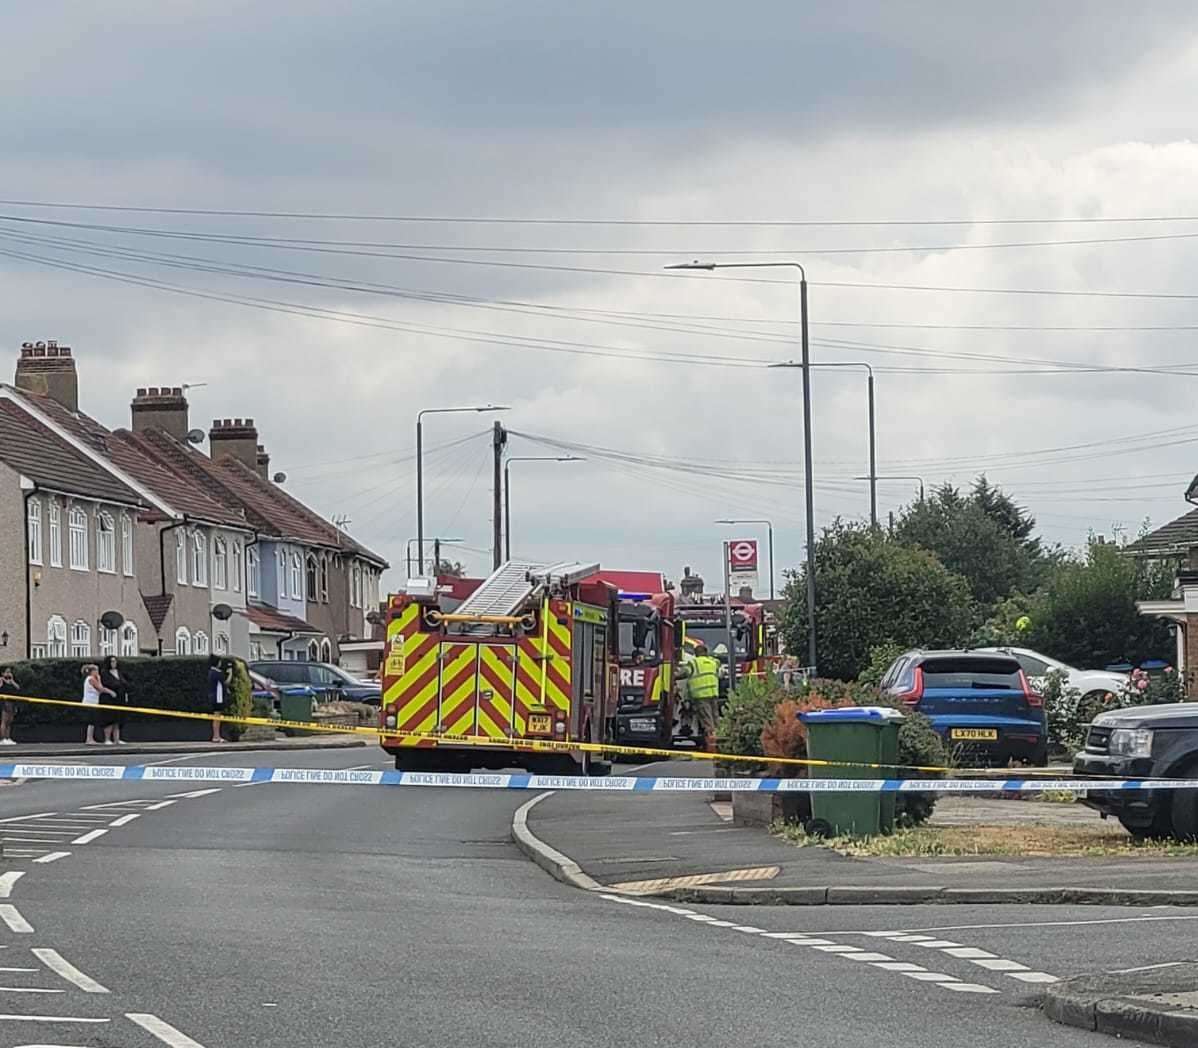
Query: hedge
x,y
172,683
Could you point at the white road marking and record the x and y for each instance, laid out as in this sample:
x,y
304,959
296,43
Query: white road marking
x,y
926,976
1025,924
53,856
23,970
160,805
19,818
835,949
900,966
937,944
11,916
872,957
59,965
999,964
747,928
176,760
29,840
166,1033
812,942
964,987
1033,977
114,804
27,989
783,935
195,793
260,782
87,838
8,881
124,820
50,1019
970,953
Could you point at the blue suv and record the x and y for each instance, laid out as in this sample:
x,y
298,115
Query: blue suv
x,y
980,702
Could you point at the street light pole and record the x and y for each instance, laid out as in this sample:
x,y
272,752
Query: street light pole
x,y
904,476
420,567
507,491
770,527
420,464
808,469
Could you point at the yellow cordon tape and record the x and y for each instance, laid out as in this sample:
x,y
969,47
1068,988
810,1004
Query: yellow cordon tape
x,y
481,741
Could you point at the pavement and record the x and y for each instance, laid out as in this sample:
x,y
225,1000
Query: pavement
x,y
1159,1004
142,913
677,846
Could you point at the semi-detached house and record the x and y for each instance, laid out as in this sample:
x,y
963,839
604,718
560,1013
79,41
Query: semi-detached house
x,y
185,547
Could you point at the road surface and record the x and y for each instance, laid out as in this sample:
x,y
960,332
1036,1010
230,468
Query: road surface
x,y
142,914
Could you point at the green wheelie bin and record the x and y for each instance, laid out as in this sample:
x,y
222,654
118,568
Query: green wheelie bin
x,y
856,735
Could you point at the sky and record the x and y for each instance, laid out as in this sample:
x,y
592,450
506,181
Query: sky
x,y
510,181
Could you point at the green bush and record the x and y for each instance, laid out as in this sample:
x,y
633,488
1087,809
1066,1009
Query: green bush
x,y
241,694
881,658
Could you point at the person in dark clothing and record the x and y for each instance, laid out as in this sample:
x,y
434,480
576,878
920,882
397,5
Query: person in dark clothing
x,y
218,688
8,710
111,678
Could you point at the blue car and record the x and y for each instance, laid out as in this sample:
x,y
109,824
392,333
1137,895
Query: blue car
x,y
980,702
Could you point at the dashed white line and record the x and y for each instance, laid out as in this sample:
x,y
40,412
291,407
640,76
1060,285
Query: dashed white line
x,y
87,838
124,820
160,805
936,944
969,953
11,916
900,966
50,1019
28,989
8,882
927,976
964,987
872,958
999,964
59,965
114,804
52,857
164,1031
21,970
835,948
195,793
1033,977
19,818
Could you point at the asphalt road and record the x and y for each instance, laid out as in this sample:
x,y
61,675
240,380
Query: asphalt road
x,y
307,916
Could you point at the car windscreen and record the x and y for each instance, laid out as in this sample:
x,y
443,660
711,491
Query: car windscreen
x,y
972,672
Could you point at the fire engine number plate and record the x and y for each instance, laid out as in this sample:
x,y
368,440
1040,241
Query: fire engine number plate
x,y
540,723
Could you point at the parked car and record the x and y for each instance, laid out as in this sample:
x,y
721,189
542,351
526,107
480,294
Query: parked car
x,y
982,703
329,682
267,690
1138,742
1091,683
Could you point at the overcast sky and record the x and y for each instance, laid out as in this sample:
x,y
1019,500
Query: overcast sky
x,y
663,118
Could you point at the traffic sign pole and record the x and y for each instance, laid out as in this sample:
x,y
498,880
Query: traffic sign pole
x,y
728,614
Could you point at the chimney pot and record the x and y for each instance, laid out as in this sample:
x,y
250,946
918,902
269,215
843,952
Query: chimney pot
x,y
160,407
48,373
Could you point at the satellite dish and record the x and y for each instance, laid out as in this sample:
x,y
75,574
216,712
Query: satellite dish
x,y
278,478
112,620
195,436
222,612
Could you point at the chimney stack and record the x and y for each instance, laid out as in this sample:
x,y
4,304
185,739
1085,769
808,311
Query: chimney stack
x,y
263,463
234,438
160,407
48,370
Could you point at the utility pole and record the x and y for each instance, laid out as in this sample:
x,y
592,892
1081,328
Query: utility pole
x,y
731,642
436,557
498,443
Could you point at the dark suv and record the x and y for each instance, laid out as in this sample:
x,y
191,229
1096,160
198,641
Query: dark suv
x,y
1142,742
980,702
327,681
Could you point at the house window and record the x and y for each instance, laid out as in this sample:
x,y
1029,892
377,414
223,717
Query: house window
x,y
281,565
326,651
238,569
201,643
37,651
253,580
182,641
199,560
129,639
297,577
107,641
105,544
55,534
127,544
255,650
181,558
81,640
35,531
222,644
313,651
56,637
313,588
77,526
355,588
220,564
324,579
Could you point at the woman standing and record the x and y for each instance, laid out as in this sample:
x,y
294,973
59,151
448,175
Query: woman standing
x,y
110,677
217,692
93,689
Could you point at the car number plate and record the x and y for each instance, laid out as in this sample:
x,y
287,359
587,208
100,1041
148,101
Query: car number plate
x,y
540,724
973,734
642,724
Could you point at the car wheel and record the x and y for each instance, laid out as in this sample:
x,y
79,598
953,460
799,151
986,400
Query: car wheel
x,y
1183,807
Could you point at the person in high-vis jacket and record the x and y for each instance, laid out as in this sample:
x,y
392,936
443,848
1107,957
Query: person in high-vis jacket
x,y
702,676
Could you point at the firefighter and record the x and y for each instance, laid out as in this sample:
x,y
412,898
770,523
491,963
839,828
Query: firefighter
x,y
702,675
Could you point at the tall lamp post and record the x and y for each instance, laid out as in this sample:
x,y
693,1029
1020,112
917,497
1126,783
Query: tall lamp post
x,y
903,476
420,463
808,470
507,491
437,542
769,525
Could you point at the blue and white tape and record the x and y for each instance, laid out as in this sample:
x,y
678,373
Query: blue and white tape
x,y
616,784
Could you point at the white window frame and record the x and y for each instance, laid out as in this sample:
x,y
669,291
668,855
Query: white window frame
x,y
182,641
129,638
81,640
255,650
313,651
326,650
355,587
199,643
220,563
56,637
199,559
78,538
237,568
324,580
108,641
311,567
297,576
105,543
181,557
253,572
55,534
33,524
37,651
221,644
127,545
281,565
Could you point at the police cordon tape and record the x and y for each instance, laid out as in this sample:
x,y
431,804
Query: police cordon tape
x,y
580,783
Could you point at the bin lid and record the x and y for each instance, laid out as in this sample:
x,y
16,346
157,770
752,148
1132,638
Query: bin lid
x,y
852,714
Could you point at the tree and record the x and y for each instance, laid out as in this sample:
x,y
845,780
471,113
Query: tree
x,y
1086,613
983,536
454,568
874,590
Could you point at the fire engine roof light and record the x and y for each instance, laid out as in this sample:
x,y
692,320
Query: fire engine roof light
x,y
634,596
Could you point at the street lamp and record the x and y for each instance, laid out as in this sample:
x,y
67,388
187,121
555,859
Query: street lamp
x,y
770,526
809,479
437,543
901,476
507,491
420,464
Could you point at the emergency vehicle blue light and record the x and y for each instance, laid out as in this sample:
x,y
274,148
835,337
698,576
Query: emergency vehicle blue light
x,y
634,596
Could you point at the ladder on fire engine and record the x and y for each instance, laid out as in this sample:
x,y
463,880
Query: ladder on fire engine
x,y
504,591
